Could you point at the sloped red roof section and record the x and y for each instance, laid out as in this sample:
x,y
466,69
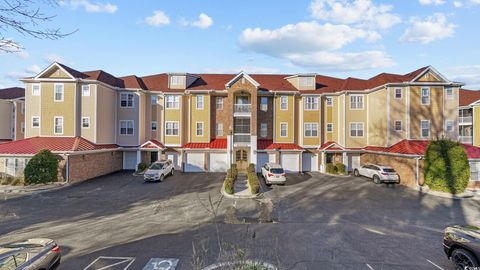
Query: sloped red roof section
x,y
12,93
269,145
213,144
468,97
153,144
31,146
404,147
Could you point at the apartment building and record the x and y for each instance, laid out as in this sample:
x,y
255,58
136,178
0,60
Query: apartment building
x,y
12,113
204,122
469,106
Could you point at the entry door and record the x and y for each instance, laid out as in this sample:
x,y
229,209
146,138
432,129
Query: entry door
x,y
153,157
241,159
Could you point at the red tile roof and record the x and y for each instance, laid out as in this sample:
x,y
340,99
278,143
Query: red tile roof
x,y
12,93
468,97
269,145
472,151
31,146
214,144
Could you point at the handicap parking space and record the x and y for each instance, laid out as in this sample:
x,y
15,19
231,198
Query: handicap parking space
x,y
126,263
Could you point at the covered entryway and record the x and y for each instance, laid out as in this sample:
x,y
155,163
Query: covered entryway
x,y
194,162
262,158
290,162
241,158
129,160
218,162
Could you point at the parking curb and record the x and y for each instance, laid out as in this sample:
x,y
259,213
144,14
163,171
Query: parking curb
x,y
465,195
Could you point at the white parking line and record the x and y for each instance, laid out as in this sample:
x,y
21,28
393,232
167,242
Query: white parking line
x,y
435,264
122,261
369,267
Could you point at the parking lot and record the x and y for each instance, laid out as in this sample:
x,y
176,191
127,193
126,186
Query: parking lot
x,y
320,222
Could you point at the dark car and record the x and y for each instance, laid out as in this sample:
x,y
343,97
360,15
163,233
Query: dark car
x,y
32,254
462,246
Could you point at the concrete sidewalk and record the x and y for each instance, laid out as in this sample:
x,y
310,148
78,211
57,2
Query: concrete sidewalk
x,y
240,189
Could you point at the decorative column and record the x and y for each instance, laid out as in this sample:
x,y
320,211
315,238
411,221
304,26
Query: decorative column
x,y
253,149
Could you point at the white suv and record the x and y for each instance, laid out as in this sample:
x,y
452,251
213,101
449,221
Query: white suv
x,y
159,170
378,173
273,174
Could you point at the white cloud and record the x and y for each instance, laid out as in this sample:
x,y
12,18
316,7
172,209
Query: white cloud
x,y
204,21
50,58
96,7
33,69
465,3
359,12
10,46
469,74
457,4
247,69
432,28
14,76
431,2
158,18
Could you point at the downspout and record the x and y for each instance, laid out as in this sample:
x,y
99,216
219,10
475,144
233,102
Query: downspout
x,y
67,164
417,171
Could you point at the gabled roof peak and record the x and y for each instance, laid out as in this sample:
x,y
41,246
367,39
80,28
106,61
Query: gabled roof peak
x,y
240,75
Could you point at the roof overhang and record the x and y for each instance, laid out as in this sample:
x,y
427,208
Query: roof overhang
x,y
54,64
242,74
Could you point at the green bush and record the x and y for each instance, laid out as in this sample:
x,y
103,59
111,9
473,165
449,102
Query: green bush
x,y
229,182
330,168
253,182
42,168
446,167
142,166
251,167
340,168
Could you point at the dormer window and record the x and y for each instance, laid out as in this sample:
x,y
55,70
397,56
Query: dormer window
x,y
176,80
307,82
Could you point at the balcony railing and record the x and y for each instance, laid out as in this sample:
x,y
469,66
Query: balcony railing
x,y
465,119
466,139
241,138
242,108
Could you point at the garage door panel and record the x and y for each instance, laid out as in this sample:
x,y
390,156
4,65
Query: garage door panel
x,y
218,162
174,158
262,158
194,162
129,160
290,162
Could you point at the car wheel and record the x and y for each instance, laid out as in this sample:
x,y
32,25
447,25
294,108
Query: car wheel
x,y
162,177
463,259
376,179
356,173
171,172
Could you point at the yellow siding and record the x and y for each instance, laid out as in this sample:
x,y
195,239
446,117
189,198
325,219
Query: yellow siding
x,y
200,115
476,125
174,115
32,108
311,116
88,110
377,121
397,113
50,109
284,116
105,117
355,116
429,77
432,112
55,73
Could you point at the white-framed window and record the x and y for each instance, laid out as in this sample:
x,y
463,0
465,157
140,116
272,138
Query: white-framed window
x,y
36,89
283,129
356,102
329,127
199,102
172,101
176,80
35,121
398,93
425,128
85,122
398,125
307,81
126,100
86,90
264,104
199,128
356,129
126,127
58,125
219,103
154,126
425,96
263,130
59,92
154,99
171,128
449,127
219,129
283,103
310,103
310,130
449,93
329,101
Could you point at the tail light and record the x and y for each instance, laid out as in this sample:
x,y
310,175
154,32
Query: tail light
x,y
56,248
270,174
384,173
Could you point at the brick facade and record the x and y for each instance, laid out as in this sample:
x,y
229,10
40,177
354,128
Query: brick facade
x,y
84,167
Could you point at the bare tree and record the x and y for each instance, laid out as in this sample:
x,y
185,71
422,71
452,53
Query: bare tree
x,y
26,18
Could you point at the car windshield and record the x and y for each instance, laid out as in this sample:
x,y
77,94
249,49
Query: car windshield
x,y
276,170
389,170
156,166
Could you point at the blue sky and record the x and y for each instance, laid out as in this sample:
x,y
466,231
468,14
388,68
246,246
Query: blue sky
x,y
342,38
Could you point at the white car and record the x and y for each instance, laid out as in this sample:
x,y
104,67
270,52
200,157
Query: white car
x,y
273,174
378,173
159,170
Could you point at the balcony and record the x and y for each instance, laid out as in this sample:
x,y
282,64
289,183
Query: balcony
x,y
465,120
465,139
241,138
242,109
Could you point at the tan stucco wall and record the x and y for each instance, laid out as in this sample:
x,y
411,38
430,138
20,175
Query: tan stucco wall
x,y
50,108
107,126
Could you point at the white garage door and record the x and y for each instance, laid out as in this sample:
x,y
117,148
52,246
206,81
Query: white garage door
x,y
174,158
309,162
194,162
353,162
218,162
262,158
129,160
290,162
